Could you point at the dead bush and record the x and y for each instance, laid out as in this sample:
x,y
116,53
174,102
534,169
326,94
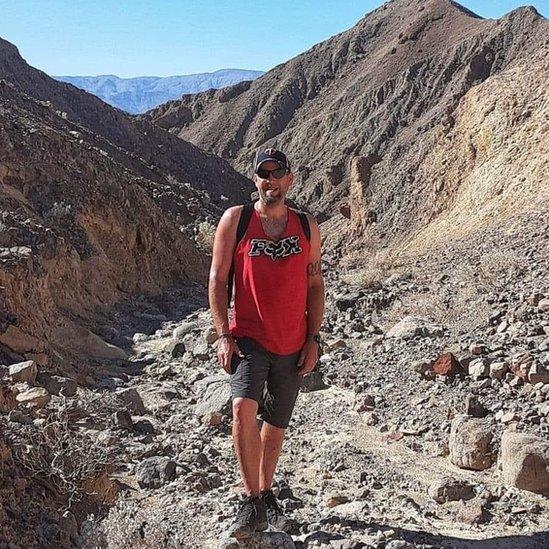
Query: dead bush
x,y
367,273
58,456
496,270
205,233
127,526
463,310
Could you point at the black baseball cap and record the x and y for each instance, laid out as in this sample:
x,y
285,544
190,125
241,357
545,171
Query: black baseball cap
x,y
263,155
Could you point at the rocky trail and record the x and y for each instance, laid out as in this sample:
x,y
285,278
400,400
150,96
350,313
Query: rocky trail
x,y
425,424
348,479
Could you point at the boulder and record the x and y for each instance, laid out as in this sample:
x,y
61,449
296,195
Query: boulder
x,y
123,420
213,395
346,301
24,371
478,368
183,329
37,397
474,408
470,443
446,365
175,348
155,471
58,385
524,462
210,335
498,370
474,512
449,489
133,401
312,382
538,374
411,326
335,499
212,419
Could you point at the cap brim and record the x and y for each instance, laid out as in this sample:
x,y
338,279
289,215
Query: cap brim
x,y
271,160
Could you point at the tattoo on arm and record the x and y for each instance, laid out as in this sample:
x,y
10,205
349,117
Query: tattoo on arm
x,y
314,269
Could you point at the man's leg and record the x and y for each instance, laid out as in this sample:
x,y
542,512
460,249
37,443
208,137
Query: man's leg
x,y
271,444
247,443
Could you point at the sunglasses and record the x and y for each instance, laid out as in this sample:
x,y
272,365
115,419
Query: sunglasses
x,y
279,173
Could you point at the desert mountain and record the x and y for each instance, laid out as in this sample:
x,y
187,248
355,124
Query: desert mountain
x,y
398,122
137,95
96,207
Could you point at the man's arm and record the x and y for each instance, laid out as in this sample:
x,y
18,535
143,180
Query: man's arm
x,y
222,257
315,300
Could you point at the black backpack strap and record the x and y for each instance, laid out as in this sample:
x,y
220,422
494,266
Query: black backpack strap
x,y
243,222
304,224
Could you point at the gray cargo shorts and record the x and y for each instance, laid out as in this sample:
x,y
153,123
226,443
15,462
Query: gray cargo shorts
x,y
269,379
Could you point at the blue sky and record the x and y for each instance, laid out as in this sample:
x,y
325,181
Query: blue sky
x,y
168,37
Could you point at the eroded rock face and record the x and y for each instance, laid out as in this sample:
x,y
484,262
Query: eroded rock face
x,y
373,129
470,443
524,462
95,207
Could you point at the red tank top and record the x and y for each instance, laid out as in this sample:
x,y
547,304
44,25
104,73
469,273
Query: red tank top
x,y
270,278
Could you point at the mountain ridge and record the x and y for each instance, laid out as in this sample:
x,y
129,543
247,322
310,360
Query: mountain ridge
x,y
356,110
136,95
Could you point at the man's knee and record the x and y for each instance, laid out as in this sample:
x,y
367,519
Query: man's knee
x,y
244,409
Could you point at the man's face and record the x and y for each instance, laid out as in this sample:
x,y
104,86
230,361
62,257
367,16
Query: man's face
x,y
271,190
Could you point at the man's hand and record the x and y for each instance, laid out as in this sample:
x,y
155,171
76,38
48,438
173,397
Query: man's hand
x,y
308,357
226,346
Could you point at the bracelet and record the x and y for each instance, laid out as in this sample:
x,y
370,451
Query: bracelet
x,y
226,334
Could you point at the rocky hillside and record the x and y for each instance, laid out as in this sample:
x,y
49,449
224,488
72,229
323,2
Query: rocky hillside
x,y
373,117
96,208
137,95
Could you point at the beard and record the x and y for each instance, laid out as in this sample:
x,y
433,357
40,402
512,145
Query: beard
x,y
271,199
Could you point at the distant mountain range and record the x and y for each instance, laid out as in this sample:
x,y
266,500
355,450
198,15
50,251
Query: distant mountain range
x,y
137,95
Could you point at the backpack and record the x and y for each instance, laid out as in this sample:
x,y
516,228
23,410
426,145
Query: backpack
x,y
243,223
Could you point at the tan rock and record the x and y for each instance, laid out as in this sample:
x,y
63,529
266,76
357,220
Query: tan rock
x,y
24,371
212,419
524,462
333,500
470,443
37,397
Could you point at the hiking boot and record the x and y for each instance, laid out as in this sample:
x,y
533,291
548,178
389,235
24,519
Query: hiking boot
x,y
251,517
275,515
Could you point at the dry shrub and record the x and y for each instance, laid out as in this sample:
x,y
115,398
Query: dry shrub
x,y
496,270
99,404
464,310
370,272
57,456
127,526
205,233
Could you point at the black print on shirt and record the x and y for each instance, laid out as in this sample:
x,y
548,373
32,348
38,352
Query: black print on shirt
x,y
283,248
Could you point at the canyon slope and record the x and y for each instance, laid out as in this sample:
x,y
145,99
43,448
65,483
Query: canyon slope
x,y
421,123
97,207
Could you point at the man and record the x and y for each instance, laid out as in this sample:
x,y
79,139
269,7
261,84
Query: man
x,y
272,339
